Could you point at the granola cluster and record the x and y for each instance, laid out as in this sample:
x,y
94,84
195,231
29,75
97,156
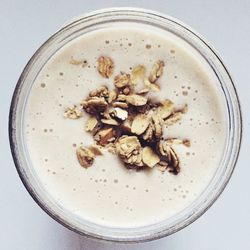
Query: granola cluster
x,y
127,122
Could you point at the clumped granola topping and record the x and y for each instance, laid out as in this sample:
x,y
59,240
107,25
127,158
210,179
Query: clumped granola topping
x,y
156,71
73,112
105,66
94,105
127,122
122,80
85,156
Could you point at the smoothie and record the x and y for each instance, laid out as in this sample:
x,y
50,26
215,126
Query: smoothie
x,y
107,192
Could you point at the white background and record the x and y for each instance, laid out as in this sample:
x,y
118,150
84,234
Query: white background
x,y
25,25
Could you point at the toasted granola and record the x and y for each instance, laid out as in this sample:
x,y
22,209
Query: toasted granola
x,y
136,100
138,73
122,80
91,123
105,66
85,156
93,105
149,157
73,112
128,123
140,124
156,71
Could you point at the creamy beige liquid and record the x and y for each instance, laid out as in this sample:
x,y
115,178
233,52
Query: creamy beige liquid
x,y
108,193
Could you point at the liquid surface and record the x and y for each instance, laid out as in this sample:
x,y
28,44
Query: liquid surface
x,y
108,193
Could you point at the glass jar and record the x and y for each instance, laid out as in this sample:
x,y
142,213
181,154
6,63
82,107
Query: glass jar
x,y
99,20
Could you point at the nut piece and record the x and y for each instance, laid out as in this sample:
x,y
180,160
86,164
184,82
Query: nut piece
x,y
91,123
136,100
157,71
95,149
85,156
149,157
94,104
122,80
140,124
105,66
138,73
165,110
72,112
105,136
